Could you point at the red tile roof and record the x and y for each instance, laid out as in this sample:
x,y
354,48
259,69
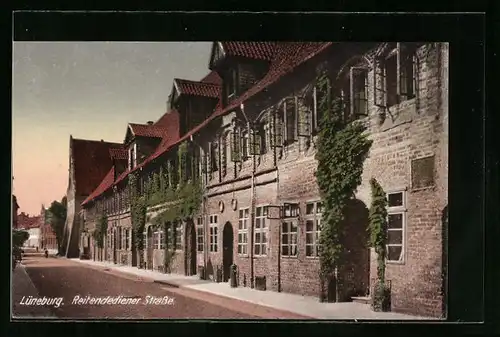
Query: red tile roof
x,y
147,130
169,123
254,50
118,153
92,161
103,186
213,78
24,221
187,87
285,57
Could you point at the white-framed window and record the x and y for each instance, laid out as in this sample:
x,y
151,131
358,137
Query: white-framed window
x,y
313,228
132,155
127,239
213,227
245,143
396,222
156,239
260,231
119,237
178,235
161,238
395,72
199,234
244,218
289,230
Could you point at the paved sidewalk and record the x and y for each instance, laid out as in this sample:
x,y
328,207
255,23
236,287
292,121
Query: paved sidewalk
x,y
22,286
302,305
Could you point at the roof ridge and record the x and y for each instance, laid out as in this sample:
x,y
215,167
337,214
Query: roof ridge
x,y
197,82
95,141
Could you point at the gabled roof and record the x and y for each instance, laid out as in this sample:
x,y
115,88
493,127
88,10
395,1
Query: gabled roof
x,y
92,161
187,87
253,50
286,56
103,186
169,123
146,130
212,77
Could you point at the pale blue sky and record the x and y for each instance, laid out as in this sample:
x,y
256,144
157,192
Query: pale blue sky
x,y
90,90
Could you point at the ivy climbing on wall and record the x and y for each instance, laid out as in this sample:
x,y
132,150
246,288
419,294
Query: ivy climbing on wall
x,y
342,147
377,229
138,213
100,230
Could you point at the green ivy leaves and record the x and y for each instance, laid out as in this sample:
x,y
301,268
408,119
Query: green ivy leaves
x,y
378,226
342,147
101,230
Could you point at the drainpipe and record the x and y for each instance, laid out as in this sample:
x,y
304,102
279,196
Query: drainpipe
x,y
252,201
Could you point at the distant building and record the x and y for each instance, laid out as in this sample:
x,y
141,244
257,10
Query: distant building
x,y
89,161
15,207
32,225
47,235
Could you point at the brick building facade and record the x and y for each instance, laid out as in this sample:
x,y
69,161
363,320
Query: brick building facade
x,y
89,161
48,238
251,127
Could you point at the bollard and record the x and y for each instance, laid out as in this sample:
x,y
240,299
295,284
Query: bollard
x,y
232,275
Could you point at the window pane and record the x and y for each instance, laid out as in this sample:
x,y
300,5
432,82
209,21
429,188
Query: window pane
x,y
309,225
241,213
263,222
284,250
294,227
257,237
394,253
240,238
257,250
264,237
395,237
264,211
284,227
395,220
309,250
395,199
259,211
284,239
309,237
319,207
247,212
293,250
310,208
257,223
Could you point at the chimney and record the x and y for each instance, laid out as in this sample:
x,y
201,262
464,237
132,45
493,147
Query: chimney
x,y
150,122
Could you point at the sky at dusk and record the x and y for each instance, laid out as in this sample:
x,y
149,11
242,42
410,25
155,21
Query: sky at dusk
x,y
90,90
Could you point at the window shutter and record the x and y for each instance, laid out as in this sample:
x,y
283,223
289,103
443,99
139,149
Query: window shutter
x,y
256,140
290,118
276,130
235,146
379,83
305,107
358,99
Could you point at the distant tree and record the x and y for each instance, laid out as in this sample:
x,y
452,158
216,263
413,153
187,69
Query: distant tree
x,y
56,217
19,237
